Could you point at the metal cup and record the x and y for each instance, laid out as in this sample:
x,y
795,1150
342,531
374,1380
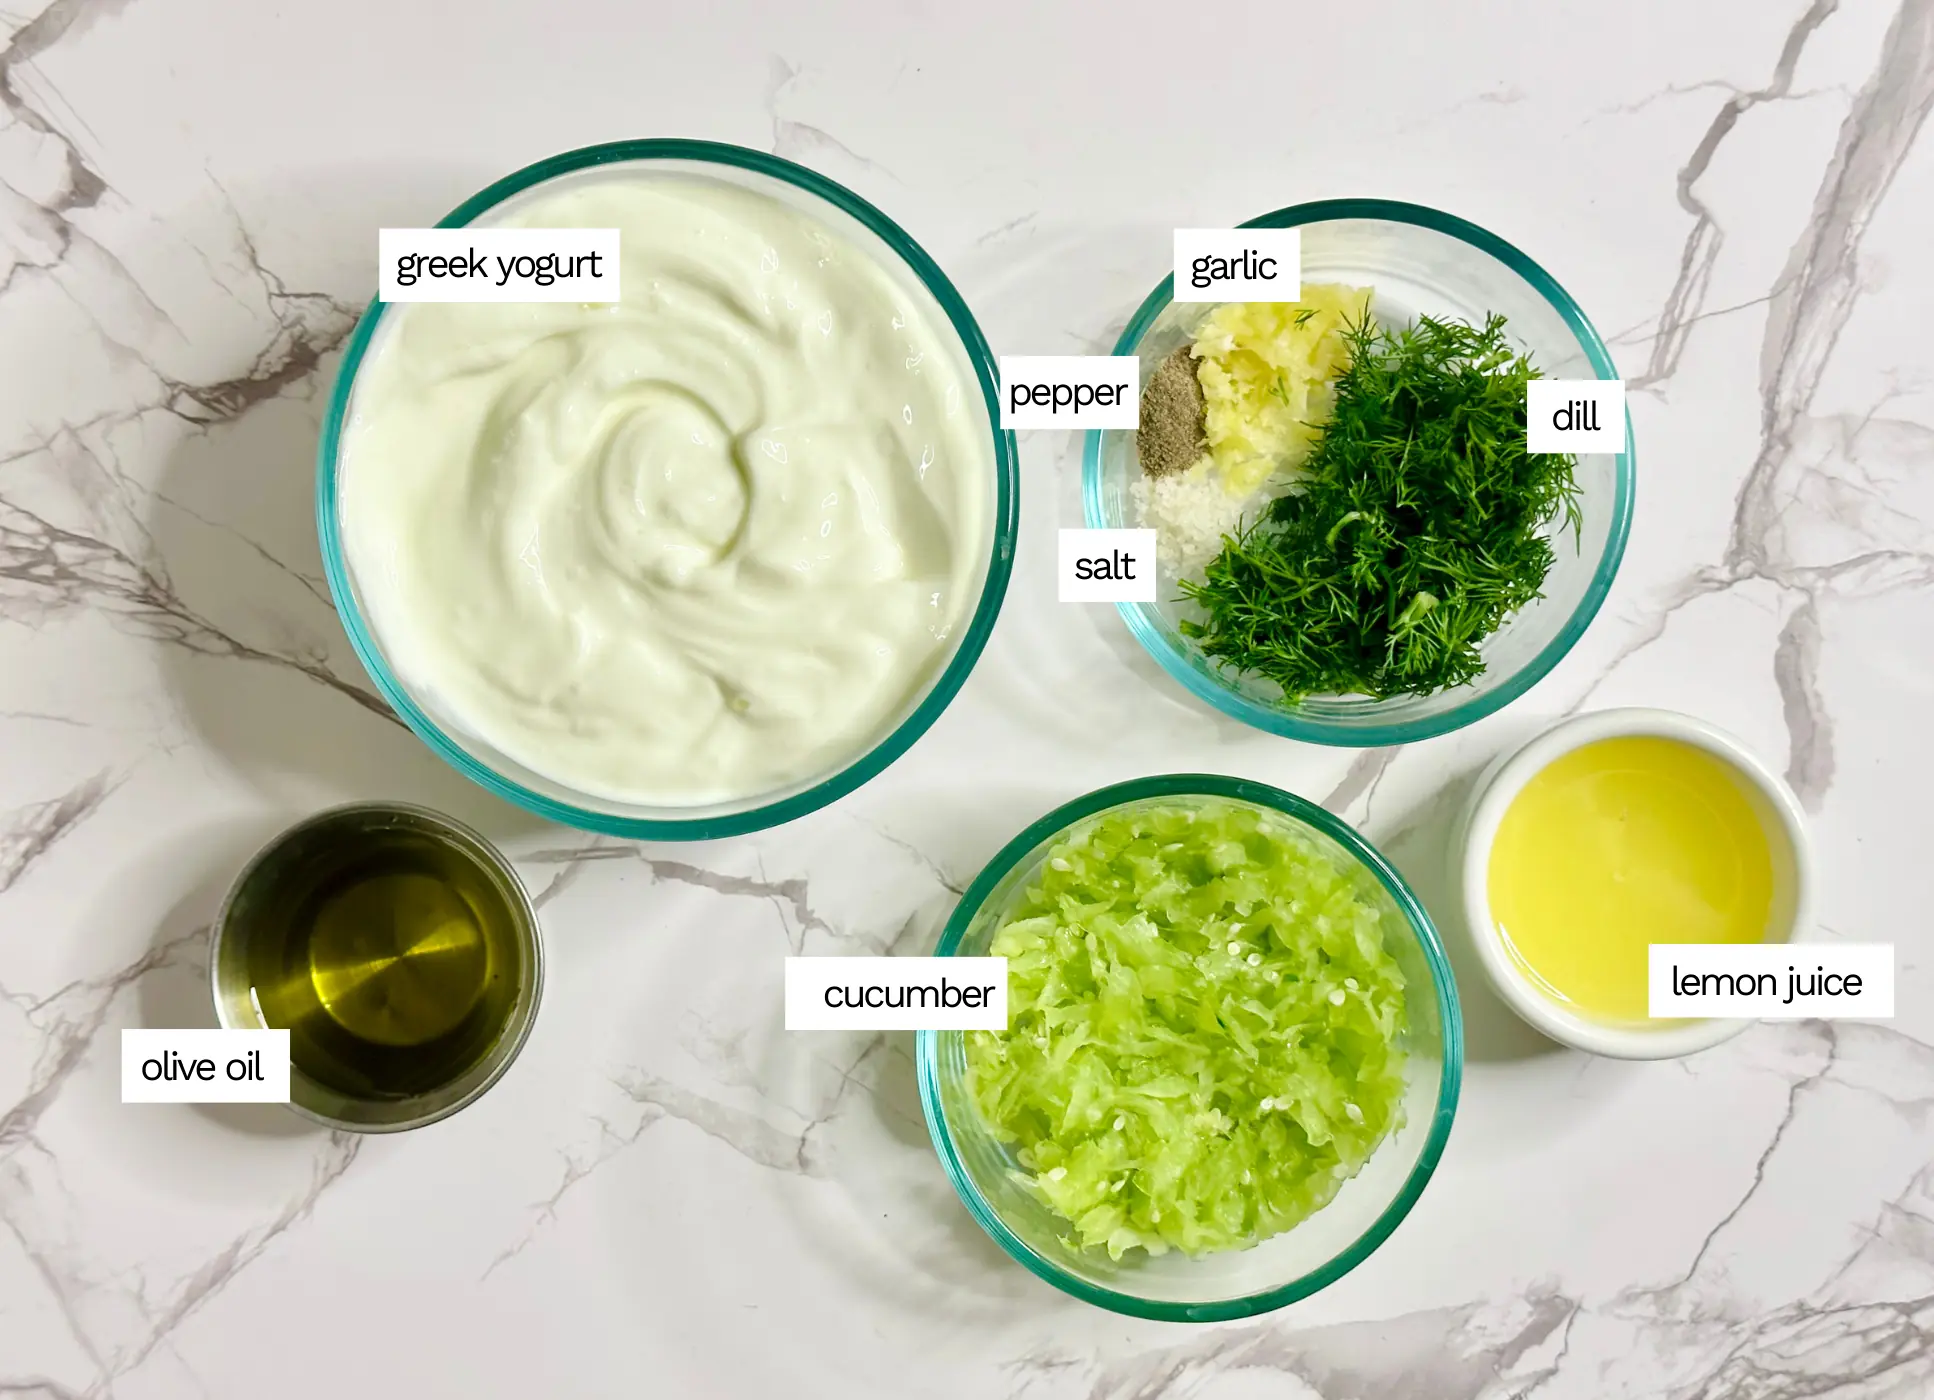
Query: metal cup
x,y
288,871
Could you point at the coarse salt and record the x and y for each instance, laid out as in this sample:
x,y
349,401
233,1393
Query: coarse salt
x,y
1190,511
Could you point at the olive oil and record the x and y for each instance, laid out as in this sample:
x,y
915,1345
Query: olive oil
x,y
392,947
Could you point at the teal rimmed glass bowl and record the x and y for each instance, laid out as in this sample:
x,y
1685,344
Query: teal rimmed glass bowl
x,y
1238,1283
1420,262
917,275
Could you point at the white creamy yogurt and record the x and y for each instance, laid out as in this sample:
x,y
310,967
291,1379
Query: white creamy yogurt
x,y
703,544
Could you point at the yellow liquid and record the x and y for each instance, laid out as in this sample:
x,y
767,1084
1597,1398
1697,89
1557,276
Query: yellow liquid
x,y
1619,845
391,959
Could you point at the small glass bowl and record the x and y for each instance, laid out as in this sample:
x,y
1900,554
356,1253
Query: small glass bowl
x,y
1237,1283
917,275
1420,262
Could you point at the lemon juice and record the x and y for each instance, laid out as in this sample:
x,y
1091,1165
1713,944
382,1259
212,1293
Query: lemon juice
x,y
1618,845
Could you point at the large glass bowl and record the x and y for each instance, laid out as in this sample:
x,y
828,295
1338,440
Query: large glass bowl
x,y
1420,262
1239,1283
915,274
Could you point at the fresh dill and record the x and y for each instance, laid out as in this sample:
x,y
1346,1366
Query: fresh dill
x,y
1419,527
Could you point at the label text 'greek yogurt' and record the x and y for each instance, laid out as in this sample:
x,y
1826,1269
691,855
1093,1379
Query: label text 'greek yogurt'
x,y
1238,264
1771,981
497,264
1070,391
204,1066
896,994
1107,566
1575,415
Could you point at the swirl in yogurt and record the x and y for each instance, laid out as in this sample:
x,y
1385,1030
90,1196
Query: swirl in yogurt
x,y
706,543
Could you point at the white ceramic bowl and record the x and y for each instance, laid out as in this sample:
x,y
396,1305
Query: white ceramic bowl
x,y
1773,801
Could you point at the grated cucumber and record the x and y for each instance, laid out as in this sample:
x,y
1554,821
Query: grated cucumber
x,y
1202,1041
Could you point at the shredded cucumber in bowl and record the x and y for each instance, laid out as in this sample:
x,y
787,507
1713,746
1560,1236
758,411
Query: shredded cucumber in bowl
x,y
1203,1027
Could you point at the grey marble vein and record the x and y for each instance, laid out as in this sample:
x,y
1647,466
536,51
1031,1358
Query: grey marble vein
x,y
82,185
570,867
873,1047
1796,668
1810,307
791,897
659,1100
796,140
47,566
68,1020
28,833
925,861
577,1166
38,1388
14,1186
1807,308
44,717
46,569
749,1134
746,1133
1796,1091
1457,1353
1865,1331
309,326
1866,1334
200,1288
1360,780
114,1353
1684,304
1672,90
1828,515
1821,281
1652,626
1006,230
1538,1379
316,588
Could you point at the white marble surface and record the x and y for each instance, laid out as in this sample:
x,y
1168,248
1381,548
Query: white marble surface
x,y
670,1196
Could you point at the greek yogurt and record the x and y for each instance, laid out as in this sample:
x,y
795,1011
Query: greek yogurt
x,y
709,542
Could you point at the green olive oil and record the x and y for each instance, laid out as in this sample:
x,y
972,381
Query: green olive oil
x,y
391,955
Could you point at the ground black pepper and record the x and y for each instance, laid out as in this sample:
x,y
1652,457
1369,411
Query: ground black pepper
x,y
1170,437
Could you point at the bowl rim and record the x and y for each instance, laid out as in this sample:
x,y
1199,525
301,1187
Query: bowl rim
x,y
1449,1081
1499,786
1294,724
868,764
517,1031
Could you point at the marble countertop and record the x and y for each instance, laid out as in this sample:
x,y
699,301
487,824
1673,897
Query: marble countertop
x,y
668,1195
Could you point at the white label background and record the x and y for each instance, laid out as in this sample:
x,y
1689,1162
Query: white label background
x,y
1095,370
221,1047
1076,544
1873,963
1285,245
1546,397
809,979
393,244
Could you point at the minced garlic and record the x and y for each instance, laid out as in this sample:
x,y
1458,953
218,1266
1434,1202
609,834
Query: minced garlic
x,y
1266,370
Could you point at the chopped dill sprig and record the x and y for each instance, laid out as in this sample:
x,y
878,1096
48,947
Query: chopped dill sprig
x,y
1418,529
